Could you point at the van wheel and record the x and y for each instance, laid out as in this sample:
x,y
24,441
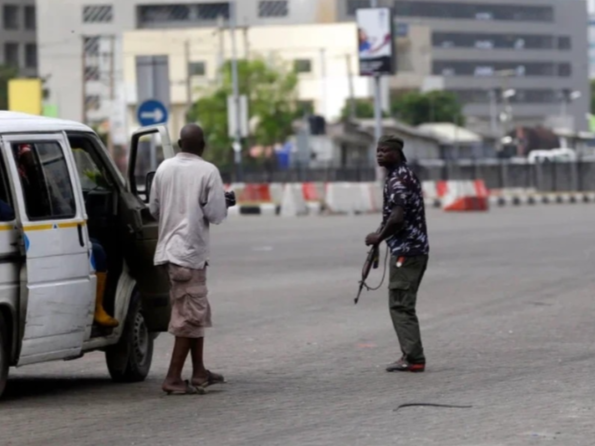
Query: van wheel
x,y
3,355
130,359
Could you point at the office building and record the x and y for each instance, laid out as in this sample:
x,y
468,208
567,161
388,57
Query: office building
x,y
536,50
527,58
591,6
18,47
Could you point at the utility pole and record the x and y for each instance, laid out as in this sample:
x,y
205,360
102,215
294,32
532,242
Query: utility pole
x,y
323,105
221,61
352,110
237,144
246,42
188,80
377,110
84,80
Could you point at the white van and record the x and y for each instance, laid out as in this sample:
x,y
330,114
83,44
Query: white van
x,y
553,155
71,193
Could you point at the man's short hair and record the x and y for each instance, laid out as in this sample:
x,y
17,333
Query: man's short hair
x,y
393,142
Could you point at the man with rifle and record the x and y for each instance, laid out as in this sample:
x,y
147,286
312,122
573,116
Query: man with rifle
x,y
404,229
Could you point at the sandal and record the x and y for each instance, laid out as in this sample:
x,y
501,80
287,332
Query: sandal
x,y
212,379
190,390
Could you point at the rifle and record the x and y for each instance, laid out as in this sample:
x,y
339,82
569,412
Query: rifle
x,y
371,262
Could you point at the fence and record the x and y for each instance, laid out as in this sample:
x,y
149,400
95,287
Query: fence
x,y
498,174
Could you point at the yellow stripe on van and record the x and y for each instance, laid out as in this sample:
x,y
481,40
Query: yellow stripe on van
x,y
71,224
47,227
38,227
6,227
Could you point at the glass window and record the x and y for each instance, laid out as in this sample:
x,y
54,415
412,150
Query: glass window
x,y
522,96
92,46
564,70
491,41
30,21
212,11
45,180
197,68
489,69
93,102
92,173
11,17
354,5
6,205
98,14
11,54
31,55
92,73
273,9
469,11
564,43
302,65
162,14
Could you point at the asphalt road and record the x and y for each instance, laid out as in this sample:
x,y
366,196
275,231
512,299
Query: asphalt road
x,y
507,314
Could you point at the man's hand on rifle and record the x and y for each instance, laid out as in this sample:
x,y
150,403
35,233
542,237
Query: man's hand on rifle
x,y
373,239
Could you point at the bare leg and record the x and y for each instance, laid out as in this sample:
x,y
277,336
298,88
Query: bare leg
x,y
173,380
199,373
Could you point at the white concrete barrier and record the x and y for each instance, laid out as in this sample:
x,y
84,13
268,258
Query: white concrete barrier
x,y
276,191
339,198
293,203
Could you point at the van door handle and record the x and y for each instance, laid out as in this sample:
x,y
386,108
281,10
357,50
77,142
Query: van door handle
x,y
79,227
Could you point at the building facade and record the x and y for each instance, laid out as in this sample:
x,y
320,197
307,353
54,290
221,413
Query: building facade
x,y
591,6
18,46
535,51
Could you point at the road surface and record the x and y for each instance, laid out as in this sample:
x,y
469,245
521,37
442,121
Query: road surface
x,y
508,321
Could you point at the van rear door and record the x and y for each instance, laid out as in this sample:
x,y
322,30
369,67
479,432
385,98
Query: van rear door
x,y
57,285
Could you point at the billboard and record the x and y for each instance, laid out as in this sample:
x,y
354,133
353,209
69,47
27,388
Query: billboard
x,y
376,46
25,96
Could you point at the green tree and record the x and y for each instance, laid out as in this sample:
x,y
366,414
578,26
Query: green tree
x,y
6,73
417,108
364,109
271,88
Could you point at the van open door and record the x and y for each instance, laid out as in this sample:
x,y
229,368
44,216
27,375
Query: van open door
x,y
149,146
57,284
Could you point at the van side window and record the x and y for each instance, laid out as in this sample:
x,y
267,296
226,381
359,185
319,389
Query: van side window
x,y
6,206
45,180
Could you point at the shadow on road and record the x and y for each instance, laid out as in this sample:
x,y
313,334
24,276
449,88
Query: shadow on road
x,y
19,389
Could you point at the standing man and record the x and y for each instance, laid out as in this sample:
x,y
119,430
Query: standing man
x,y
186,197
404,229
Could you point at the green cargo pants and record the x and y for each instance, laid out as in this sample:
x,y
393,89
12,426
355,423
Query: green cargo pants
x,y
402,297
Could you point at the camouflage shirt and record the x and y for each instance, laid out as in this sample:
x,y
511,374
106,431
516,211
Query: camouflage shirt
x,y
403,189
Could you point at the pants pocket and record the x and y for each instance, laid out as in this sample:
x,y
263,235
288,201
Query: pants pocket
x,y
179,273
401,285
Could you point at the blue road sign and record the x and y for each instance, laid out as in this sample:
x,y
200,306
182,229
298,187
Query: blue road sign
x,y
151,113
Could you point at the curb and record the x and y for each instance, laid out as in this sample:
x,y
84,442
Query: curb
x,y
255,209
530,200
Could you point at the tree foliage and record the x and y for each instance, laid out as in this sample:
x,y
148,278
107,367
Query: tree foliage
x,y
6,73
413,108
271,88
417,108
364,109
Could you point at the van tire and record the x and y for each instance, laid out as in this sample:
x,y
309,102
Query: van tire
x,y
130,359
4,357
